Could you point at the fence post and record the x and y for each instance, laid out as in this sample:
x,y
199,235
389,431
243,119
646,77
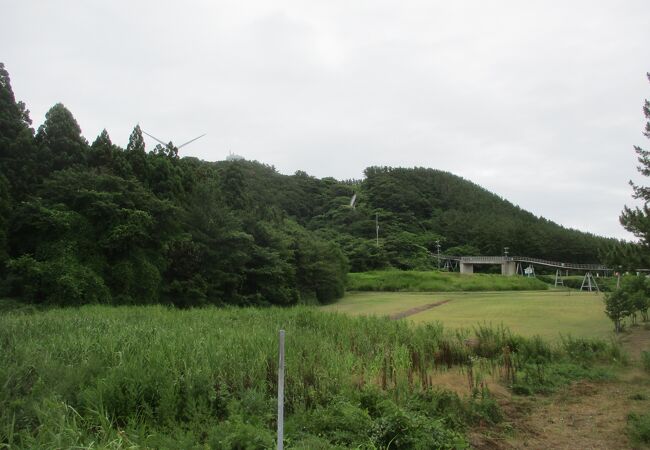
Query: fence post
x,y
281,393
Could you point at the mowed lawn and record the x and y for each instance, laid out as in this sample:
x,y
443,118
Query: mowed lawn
x,y
545,313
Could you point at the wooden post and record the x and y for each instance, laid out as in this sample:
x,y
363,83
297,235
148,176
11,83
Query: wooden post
x,y
281,393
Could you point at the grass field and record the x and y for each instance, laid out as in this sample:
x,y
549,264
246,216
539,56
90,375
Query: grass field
x,y
156,377
544,313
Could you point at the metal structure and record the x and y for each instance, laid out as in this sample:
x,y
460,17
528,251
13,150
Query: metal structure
x,y
281,391
170,142
353,200
530,271
558,278
589,282
525,260
377,227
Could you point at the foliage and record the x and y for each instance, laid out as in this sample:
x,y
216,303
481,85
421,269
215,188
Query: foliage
x,y
158,377
638,428
632,297
637,220
395,280
617,307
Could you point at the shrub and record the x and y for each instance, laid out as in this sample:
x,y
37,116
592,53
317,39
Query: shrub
x,y
432,281
340,422
239,435
638,428
399,429
62,281
617,307
645,360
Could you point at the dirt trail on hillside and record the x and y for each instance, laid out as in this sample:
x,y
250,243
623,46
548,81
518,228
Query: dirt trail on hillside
x,y
419,309
585,415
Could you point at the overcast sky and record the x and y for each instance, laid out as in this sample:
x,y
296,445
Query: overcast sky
x,y
537,101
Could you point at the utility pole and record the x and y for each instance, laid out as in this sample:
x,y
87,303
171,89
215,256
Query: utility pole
x,y
281,392
377,227
438,248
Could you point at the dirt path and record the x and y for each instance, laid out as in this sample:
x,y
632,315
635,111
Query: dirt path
x,y
410,312
585,415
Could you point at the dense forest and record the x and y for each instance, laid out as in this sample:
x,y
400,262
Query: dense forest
x,y
88,222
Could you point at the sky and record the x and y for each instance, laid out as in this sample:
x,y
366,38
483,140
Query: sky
x,y
537,101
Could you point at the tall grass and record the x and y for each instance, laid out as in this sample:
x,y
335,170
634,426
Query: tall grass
x,y
414,281
163,378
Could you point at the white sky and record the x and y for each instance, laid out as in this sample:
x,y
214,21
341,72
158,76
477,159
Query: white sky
x,y
537,101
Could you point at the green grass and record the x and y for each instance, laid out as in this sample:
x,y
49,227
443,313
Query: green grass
x,y
156,377
638,429
432,281
606,284
545,313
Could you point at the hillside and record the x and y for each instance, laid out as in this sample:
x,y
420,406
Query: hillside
x,y
96,223
415,207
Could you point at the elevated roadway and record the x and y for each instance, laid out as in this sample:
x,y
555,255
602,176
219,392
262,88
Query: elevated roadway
x,y
509,263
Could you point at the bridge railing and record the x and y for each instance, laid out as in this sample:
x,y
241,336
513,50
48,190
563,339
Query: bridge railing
x,y
485,259
560,265
522,259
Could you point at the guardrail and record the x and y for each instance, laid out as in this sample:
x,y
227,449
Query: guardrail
x,y
561,265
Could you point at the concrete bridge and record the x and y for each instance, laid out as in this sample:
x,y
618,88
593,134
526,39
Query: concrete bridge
x,y
509,263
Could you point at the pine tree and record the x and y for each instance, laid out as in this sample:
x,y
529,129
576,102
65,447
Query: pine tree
x,y
18,155
637,220
102,150
136,141
136,155
60,139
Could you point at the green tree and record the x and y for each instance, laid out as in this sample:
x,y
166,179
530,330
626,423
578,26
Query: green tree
x,y
60,140
18,157
617,307
136,153
637,220
5,211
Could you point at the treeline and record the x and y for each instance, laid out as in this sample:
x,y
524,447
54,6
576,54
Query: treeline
x,y
88,222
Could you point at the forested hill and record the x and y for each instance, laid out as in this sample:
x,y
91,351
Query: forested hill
x,y
415,207
88,222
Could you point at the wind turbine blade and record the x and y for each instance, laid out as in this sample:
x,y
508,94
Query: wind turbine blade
x,y
189,142
154,137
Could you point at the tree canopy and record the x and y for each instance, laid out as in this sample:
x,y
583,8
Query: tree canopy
x,y
637,220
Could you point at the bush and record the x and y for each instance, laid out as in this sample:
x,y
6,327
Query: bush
x,y
545,377
645,360
638,428
239,435
62,281
340,422
617,307
433,281
398,429
584,349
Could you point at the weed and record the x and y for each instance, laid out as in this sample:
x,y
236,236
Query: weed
x,y
645,360
163,378
638,428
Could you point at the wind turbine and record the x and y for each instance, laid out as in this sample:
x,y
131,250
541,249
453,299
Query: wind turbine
x,y
168,144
